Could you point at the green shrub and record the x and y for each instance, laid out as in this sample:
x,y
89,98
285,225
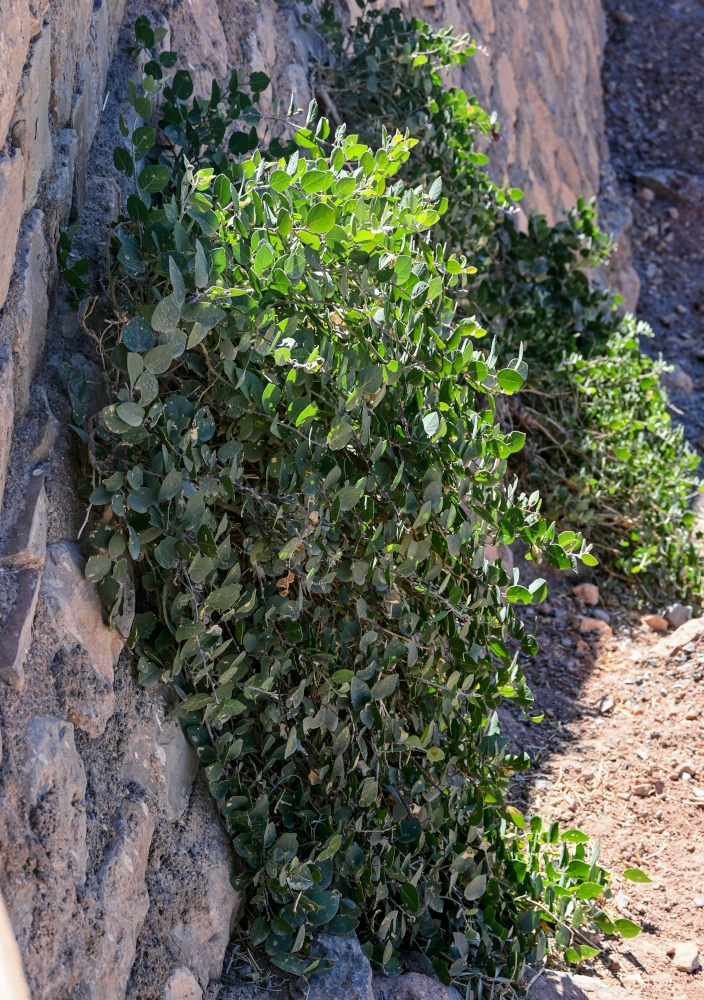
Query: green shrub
x,y
303,460
601,445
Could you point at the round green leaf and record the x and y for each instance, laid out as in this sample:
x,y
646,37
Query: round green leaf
x,y
131,413
167,314
137,335
321,218
510,380
97,567
154,178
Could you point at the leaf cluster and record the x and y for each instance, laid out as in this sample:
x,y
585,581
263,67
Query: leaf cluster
x,y
601,445
302,459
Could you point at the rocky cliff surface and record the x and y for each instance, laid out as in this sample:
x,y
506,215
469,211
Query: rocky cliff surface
x,y
114,869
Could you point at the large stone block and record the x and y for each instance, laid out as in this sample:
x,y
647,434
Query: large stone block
x,y
11,178
70,21
15,27
23,321
29,129
88,100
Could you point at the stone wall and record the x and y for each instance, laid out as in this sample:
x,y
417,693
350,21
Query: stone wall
x,y
113,866
538,66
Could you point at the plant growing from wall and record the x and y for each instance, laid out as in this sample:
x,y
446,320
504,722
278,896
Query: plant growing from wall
x,y
601,443
302,459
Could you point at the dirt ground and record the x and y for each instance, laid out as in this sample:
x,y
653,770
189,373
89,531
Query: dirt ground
x,y
621,756
621,753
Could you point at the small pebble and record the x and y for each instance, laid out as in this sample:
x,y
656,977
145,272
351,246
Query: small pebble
x,y
686,956
587,592
655,622
622,902
681,770
542,783
642,791
605,704
595,625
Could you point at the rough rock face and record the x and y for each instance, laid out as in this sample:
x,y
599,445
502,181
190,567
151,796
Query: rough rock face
x,y
113,865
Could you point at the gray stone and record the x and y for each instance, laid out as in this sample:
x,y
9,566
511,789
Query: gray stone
x,y
87,696
555,985
678,379
25,544
122,892
88,649
616,218
203,44
16,635
678,614
11,176
29,129
23,323
55,786
411,986
668,183
182,985
159,759
351,974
